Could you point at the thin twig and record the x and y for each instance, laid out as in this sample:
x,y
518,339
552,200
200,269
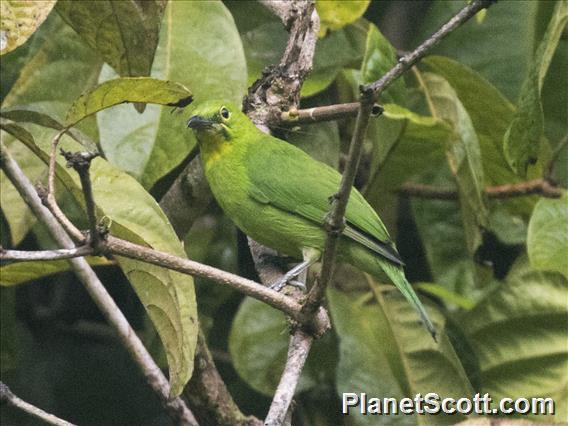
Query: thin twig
x,y
298,351
175,407
324,113
28,256
81,163
407,61
48,198
540,187
7,397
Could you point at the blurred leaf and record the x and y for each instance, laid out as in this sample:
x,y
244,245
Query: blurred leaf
x,y
23,272
507,32
258,344
449,297
380,57
124,33
385,350
547,241
519,335
199,47
128,89
523,136
20,19
464,156
168,296
336,14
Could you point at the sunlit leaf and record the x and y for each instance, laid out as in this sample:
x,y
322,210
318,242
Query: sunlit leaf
x,y
125,33
547,241
20,19
336,14
128,89
523,136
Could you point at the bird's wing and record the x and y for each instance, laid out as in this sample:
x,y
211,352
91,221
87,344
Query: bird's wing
x,y
291,180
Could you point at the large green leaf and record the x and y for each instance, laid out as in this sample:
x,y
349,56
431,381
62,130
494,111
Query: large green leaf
x,y
464,155
169,297
128,89
336,14
385,351
523,136
200,48
508,32
124,33
259,343
547,240
518,333
20,19
490,113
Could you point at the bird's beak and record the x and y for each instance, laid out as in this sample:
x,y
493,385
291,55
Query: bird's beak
x,y
198,122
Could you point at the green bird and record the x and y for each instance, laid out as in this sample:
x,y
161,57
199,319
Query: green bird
x,y
279,196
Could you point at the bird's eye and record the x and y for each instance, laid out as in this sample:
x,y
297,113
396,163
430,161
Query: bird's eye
x,y
225,113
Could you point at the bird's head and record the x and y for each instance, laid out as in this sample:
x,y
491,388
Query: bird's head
x,y
216,123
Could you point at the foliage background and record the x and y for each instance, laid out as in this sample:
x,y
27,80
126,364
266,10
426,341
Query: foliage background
x,y
494,271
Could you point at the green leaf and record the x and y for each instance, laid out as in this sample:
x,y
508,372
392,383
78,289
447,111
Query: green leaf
x,y
128,89
380,57
168,296
385,351
200,48
258,344
446,295
547,241
124,33
523,136
23,272
518,333
20,19
464,156
336,14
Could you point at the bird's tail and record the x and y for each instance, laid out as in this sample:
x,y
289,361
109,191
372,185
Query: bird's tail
x,y
396,274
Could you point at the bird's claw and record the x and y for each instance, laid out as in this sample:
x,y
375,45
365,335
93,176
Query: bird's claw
x,y
281,283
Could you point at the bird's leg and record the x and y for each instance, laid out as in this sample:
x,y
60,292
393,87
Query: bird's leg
x,y
311,256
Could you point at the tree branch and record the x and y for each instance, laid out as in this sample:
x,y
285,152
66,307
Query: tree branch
x,y
324,113
7,397
540,187
175,407
298,351
28,256
407,61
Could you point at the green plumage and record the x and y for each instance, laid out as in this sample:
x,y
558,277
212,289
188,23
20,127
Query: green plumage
x,y
279,196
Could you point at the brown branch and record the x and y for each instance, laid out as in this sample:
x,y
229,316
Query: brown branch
x,y
324,113
29,256
175,407
7,397
540,187
284,9
407,61
298,351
